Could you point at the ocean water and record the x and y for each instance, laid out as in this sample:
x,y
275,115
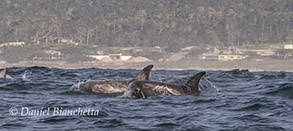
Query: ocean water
x,y
231,100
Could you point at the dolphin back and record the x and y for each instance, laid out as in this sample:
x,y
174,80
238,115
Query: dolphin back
x,y
144,74
3,73
194,82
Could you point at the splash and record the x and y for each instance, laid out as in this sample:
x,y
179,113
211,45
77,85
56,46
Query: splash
x,y
8,77
26,74
127,93
207,86
76,87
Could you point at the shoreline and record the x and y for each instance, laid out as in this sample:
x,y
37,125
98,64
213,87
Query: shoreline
x,y
265,65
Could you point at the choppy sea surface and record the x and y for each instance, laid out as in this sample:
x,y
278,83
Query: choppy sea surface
x,y
231,100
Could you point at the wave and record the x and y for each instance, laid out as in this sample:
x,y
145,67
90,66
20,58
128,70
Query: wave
x,y
240,100
273,76
237,73
284,90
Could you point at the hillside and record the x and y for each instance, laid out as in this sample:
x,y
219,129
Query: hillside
x,y
170,23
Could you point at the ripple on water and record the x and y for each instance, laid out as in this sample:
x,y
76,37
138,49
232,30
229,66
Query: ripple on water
x,y
231,100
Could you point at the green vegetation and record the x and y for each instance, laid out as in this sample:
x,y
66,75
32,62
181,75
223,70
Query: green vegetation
x,y
16,54
252,55
115,26
170,24
69,53
275,46
152,55
195,53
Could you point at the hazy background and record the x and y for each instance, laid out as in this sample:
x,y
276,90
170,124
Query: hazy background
x,y
99,33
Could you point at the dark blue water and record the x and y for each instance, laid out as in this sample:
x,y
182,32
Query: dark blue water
x,y
231,100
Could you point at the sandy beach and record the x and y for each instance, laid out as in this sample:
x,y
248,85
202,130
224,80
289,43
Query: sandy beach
x,y
265,65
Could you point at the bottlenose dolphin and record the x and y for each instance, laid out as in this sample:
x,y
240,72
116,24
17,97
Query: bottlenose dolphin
x,y
145,88
113,86
3,73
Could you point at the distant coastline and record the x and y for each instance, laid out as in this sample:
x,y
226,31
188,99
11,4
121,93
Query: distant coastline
x,y
265,65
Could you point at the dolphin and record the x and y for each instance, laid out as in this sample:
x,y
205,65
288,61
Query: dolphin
x,y
3,73
113,86
145,88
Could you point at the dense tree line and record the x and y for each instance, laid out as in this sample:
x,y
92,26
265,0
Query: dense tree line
x,y
166,23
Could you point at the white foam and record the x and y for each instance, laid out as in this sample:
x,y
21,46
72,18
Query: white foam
x,y
25,75
8,77
76,87
206,85
127,93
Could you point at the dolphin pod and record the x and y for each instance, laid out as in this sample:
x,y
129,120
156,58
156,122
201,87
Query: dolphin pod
x,y
140,86
3,73
145,88
113,86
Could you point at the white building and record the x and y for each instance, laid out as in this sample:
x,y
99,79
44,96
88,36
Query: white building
x,y
288,46
99,57
111,56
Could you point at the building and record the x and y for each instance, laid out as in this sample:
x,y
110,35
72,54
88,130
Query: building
x,y
288,46
119,57
99,57
228,54
53,40
47,55
209,56
222,57
112,57
230,57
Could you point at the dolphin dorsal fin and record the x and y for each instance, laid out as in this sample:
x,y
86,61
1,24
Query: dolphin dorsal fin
x,y
144,74
194,82
3,73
